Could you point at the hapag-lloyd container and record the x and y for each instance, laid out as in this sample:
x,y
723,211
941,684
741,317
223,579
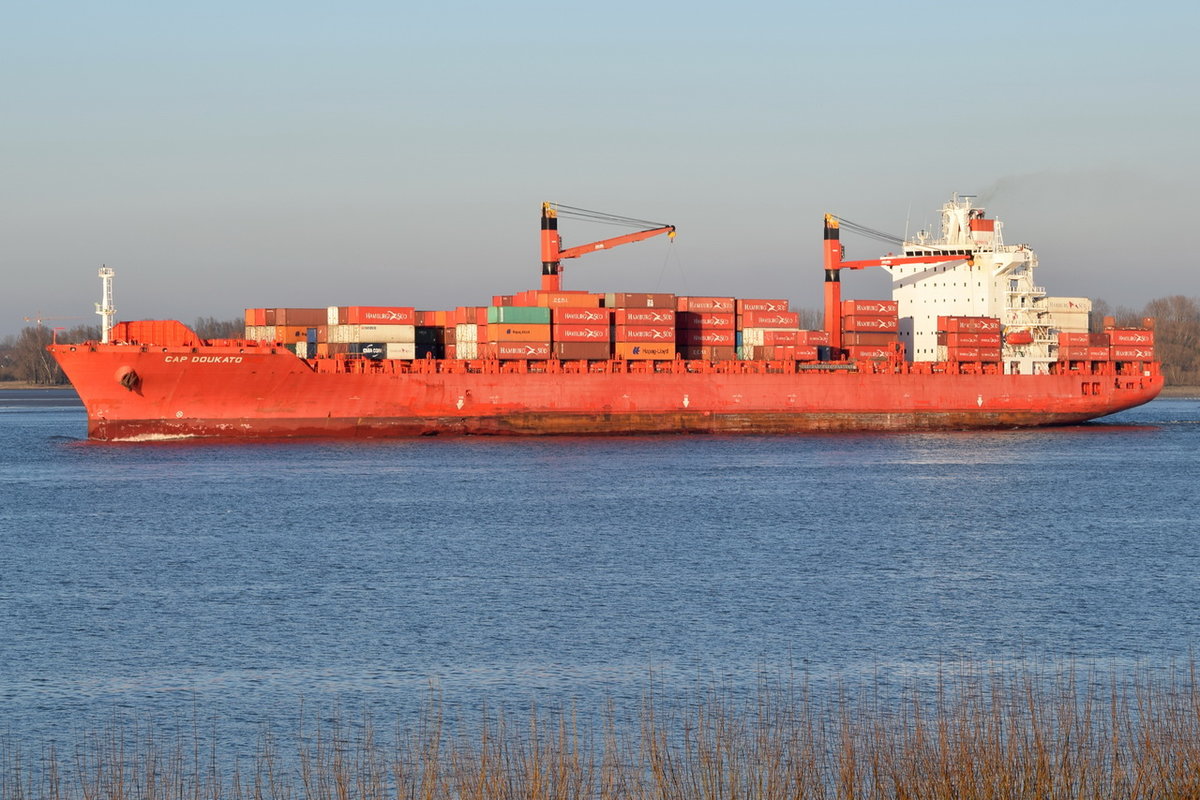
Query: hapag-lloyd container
x,y
644,351
519,332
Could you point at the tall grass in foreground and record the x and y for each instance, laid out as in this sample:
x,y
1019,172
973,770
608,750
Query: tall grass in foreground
x,y
967,736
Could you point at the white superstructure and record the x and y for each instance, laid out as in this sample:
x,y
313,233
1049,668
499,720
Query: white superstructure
x,y
981,276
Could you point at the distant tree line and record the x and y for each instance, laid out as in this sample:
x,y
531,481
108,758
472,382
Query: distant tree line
x,y
1176,333
24,358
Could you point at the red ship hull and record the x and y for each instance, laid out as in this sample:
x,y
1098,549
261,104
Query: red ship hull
x,y
134,392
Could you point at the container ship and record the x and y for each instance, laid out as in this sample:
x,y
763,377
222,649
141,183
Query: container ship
x,y
967,341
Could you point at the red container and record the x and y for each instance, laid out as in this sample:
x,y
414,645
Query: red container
x,y
516,350
746,306
711,337
870,324
502,299
581,333
807,337
771,319
707,353
590,351
968,324
580,316
868,352
851,338
569,299
1084,354
1074,339
870,308
1131,336
784,352
645,333
380,315
779,338
644,316
1132,353
640,300
700,304
958,339
307,317
698,320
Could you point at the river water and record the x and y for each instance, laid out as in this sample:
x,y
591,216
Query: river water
x,y
240,583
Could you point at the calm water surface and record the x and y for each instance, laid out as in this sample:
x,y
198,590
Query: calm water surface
x,y
237,582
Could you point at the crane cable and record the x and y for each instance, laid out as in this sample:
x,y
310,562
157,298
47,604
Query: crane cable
x,y
604,218
870,233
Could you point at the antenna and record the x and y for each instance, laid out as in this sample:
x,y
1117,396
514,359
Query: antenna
x,y
105,307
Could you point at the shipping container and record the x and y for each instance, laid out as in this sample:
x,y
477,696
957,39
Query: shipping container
x,y
590,351
707,353
644,316
372,333
517,350
644,351
744,306
530,315
725,305
851,338
770,319
580,316
1132,353
712,337
569,299
514,332
1084,353
870,324
379,315
1128,336
706,320
868,352
581,333
639,300
968,324
644,333
870,308
301,317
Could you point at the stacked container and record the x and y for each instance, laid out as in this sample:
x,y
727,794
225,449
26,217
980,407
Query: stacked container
x,y
581,332
1132,344
706,328
518,332
643,325
470,328
766,330
1083,347
969,339
870,328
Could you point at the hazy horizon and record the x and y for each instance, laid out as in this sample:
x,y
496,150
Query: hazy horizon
x,y
221,157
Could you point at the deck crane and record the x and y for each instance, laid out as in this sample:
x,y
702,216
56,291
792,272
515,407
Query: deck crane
x,y
553,252
834,265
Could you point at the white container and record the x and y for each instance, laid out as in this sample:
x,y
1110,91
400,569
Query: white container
x,y
467,350
401,350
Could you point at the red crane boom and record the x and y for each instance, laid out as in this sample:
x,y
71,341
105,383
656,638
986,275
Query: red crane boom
x,y
553,252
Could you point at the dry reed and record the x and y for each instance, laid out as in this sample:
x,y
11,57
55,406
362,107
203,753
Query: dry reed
x,y
974,735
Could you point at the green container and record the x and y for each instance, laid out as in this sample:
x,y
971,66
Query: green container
x,y
530,315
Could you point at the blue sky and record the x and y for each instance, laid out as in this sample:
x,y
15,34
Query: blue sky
x,y
224,155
